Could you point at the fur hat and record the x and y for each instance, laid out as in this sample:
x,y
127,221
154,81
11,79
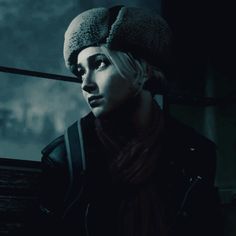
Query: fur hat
x,y
139,31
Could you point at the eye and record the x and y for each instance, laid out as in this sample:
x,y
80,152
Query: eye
x,y
101,63
79,72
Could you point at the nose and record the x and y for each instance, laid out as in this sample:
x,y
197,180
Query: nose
x,y
88,85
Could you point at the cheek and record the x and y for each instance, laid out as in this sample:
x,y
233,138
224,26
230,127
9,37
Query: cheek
x,y
112,84
85,97
117,90
84,94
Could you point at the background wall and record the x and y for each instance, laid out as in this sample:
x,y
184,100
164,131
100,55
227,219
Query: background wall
x,y
204,50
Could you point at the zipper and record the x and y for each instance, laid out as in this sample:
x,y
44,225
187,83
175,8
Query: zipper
x,y
73,202
185,199
86,219
188,192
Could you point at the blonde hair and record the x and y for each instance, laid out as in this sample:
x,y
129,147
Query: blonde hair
x,y
128,67
135,69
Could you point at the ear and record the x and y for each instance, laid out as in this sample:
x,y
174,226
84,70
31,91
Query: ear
x,y
156,82
154,72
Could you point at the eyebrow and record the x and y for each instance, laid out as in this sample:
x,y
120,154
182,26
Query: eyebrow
x,y
91,58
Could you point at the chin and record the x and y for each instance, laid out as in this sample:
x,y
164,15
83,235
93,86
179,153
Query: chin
x,y
99,112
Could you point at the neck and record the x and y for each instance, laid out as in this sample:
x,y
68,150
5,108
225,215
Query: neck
x,y
142,116
136,115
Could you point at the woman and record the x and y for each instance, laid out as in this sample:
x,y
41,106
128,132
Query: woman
x,y
126,168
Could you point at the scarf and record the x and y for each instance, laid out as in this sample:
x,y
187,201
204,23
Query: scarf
x,y
133,166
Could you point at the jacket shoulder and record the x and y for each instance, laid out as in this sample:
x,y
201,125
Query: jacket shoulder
x,y
187,134
55,151
192,150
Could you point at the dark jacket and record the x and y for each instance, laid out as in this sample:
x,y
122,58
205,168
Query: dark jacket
x,y
187,184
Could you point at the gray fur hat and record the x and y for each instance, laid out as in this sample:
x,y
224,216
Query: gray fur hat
x,y
139,31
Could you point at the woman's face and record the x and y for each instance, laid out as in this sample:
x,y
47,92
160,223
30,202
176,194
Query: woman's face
x,y
103,87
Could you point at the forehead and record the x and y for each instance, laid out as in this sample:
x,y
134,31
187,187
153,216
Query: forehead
x,y
88,52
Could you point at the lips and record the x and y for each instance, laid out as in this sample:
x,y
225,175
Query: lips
x,y
94,100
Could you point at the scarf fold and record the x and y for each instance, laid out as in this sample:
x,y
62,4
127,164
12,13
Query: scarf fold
x,y
133,163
